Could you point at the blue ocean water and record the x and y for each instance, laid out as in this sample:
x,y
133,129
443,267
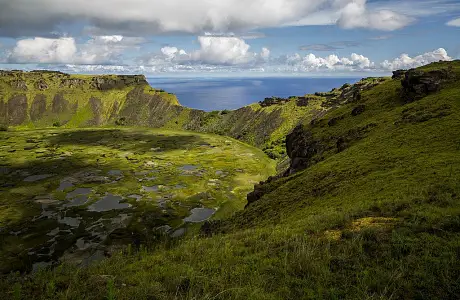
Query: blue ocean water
x,y
231,93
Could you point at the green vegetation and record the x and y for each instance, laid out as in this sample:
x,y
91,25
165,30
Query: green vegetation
x,y
375,213
162,174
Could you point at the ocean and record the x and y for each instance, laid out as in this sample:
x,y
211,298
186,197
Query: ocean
x,y
230,93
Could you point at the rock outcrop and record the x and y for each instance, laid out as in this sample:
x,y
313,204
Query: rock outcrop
x,y
104,83
72,83
301,147
417,84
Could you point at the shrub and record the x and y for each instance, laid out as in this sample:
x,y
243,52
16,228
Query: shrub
x,y
121,121
345,86
57,124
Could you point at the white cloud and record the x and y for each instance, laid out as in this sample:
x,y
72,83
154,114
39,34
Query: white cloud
x,y
407,62
311,62
171,53
214,50
265,53
222,50
356,15
454,22
128,17
44,50
99,49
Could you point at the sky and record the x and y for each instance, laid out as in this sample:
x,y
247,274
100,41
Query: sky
x,y
228,37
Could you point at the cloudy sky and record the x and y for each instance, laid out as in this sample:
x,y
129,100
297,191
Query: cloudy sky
x,y
216,37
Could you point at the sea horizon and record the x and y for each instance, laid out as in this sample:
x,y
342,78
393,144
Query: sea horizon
x,y
220,93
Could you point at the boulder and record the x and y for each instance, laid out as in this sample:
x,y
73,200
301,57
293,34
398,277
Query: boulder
x,y
358,110
398,74
41,85
335,120
301,147
417,84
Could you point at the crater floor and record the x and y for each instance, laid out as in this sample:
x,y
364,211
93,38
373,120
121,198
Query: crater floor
x,y
79,194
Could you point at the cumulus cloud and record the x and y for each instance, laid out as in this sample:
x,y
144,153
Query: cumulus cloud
x,y
43,50
356,15
311,62
213,50
406,62
454,22
97,50
128,17
222,50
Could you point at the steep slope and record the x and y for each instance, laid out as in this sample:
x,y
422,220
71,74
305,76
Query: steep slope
x,y
42,99
369,209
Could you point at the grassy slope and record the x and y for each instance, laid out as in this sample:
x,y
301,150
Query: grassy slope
x,y
79,94
379,220
140,105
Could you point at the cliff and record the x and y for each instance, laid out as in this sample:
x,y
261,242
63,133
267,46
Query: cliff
x,y
43,99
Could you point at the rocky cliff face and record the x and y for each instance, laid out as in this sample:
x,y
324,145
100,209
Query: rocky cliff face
x,y
44,98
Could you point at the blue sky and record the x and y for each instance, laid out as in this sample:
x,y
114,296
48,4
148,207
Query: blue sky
x,y
228,37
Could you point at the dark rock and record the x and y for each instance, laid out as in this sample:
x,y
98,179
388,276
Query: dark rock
x,y
17,109
72,83
59,105
341,144
352,136
417,84
303,101
261,189
255,195
357,95
335,120
273,101
38,108
358,110
398,74
210,227
96,108
104,83
301,148
41,85
19,85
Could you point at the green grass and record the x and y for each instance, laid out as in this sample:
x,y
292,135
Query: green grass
x,y
226,170
378,220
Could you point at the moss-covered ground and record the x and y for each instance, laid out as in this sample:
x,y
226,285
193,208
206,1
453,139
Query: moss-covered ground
x,y
52,178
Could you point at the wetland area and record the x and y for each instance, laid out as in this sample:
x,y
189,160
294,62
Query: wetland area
x,y
78,195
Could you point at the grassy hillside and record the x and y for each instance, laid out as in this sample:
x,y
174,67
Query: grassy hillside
x,y
369,209
43,99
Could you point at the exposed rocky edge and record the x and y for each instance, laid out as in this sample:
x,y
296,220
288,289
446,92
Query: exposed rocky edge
x,y
417,84
41,85
398,74
269,101
113,82
301,147
349,93
305,149
18,85
18,80
72,83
